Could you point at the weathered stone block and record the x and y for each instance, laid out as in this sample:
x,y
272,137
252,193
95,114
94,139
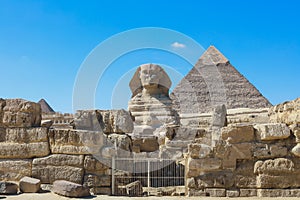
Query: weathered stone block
x,y
245,181
248,192
238,133
58,167
278,192
69,189
214,192
29,185
232,193
199,150
107,121
23,142
197,193
263,151
278,181
233,152
122,141
287,112
147,144
207,164
14,170
222,179
296,150
92,165
75,141
272,131
95,180
19,113
8,188
277,166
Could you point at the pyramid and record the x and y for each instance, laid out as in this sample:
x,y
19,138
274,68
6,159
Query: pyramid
x,y
46,108
214,81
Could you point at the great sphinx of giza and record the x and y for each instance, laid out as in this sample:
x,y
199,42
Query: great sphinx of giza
x,y
150,105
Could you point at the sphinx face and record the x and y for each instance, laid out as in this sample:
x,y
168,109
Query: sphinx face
x,y
150,75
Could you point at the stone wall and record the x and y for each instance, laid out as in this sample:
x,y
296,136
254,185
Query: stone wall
x,y
252,157
27,149
238,152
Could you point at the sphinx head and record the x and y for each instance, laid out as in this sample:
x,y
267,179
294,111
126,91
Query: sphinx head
x,y
151,78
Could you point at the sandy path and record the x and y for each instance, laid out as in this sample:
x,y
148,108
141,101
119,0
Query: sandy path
x,y
51,196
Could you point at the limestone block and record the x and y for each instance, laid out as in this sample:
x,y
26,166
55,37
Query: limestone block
x,y
205,164
264,151
107,121
96,180
69,189
277,166
216,192
58,167
92,165
8,188
145,144
122,141
232,193
272,131
23,142
196,192
277,173
230,153
248,192
29,185
247,115
199,150
19,113
278,181
244,174
218,179
245,181
14,169
278,192
238,133
296,150
287,112
75,141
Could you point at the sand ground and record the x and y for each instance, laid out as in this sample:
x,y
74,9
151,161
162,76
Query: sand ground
x,y
51,196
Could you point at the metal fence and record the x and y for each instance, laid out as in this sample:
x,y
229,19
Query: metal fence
x,y
152,173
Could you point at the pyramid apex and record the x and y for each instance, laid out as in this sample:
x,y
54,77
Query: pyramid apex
x,y
213,56
46,108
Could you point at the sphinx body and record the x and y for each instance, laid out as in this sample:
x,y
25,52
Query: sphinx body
x,y
150,105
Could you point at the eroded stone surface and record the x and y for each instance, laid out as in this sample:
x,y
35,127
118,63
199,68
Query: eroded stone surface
x,y
29,185
287,112
19,113
58,167
75,141
106,121
272,131
8,188
23,142
14,170
69,189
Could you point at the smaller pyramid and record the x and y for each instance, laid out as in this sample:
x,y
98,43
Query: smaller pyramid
x,y
46,108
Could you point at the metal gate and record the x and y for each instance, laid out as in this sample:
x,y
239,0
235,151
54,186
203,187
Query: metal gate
x,y
153,174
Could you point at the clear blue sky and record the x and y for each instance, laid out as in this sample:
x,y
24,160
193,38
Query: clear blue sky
x,y
43,43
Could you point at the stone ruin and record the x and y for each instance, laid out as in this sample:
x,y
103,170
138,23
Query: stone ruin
x,y
245,147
